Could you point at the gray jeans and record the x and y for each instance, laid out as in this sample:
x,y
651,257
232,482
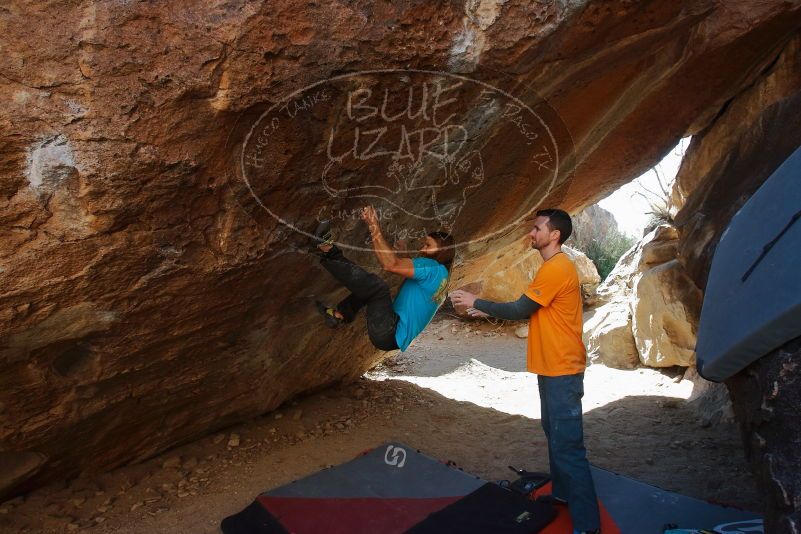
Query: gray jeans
x,y
560,397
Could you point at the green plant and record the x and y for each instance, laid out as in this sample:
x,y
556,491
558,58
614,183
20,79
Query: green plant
x,y
658,201
606,250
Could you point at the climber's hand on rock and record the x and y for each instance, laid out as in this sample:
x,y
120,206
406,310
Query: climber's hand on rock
x,y
472,312
370,217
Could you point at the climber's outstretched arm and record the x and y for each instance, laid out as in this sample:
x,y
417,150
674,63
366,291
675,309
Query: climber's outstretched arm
x,y
386,254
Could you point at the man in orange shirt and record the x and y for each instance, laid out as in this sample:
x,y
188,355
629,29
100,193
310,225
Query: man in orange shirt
x,y
556,353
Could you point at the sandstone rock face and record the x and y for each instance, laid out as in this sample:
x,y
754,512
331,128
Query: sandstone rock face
x,y
710,400
665,317
591,224
648,310
587,273
760,126
149,290
725,164
766,398
608,335
522,331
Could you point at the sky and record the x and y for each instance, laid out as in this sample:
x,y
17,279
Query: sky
x,y
630,210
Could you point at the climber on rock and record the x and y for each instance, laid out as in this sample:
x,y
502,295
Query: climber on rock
x,y
391,324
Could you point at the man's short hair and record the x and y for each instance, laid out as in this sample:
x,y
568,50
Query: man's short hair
x,y
558,220
445,244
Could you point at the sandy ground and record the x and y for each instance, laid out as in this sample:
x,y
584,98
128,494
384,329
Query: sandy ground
x,y
460,393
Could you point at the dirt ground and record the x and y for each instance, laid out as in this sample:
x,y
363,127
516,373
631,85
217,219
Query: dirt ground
x,y
459,393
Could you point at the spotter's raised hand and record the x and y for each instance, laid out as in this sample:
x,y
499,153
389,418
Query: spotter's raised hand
x,y
460,297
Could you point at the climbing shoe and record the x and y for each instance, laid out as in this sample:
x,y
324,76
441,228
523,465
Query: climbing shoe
x,y
528,481
329,313
323,235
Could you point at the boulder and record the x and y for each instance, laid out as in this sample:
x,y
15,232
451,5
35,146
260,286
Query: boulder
x,y
608,335
656,247
587,272
16,467
734,156
647,308
765,399
666,309
711,401
723,166
522,332
591,224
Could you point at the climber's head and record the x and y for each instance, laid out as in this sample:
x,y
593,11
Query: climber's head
x,y
439,246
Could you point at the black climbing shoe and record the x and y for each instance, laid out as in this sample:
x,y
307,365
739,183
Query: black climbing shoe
x,y
323,235
331,320
528,481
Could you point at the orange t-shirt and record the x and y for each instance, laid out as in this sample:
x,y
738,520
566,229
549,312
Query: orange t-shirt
x,y
555,347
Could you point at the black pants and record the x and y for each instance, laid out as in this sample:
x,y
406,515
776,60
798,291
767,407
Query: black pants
x,y
366,290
